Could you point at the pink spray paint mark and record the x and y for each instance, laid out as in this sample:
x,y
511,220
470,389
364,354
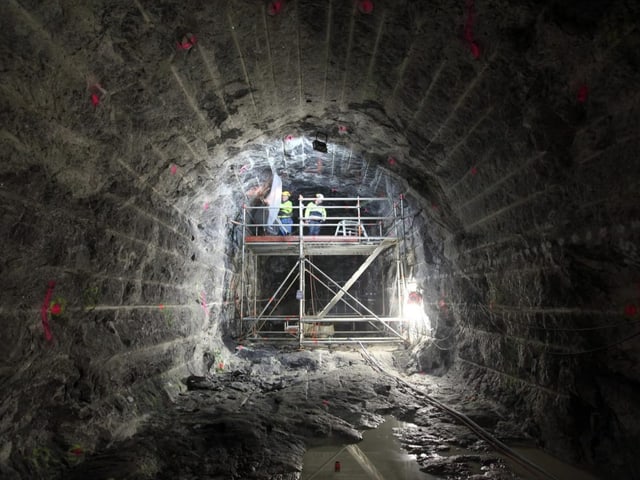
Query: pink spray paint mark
x,y
173,169
55,309
244,168
365,6
95,99
474,48
44,311
187,43
583,93
442,304
203,303
325,403
343,129
274,7
392,161
205,206
288,138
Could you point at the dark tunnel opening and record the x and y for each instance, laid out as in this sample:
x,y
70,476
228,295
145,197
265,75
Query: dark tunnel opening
x,y
489,152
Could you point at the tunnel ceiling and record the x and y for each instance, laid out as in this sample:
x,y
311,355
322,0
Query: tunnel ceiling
x,y
511,127
427,92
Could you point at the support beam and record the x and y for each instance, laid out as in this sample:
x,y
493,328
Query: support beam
x,y
357,274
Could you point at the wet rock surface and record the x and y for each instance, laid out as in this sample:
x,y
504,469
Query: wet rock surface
x,y
257,417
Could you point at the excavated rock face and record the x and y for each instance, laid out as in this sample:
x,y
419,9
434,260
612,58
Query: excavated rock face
x,y
132,133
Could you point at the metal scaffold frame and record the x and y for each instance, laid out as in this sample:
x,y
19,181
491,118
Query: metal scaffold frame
x,y
357,234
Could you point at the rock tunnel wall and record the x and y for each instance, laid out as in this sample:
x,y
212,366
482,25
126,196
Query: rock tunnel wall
x,y
512,128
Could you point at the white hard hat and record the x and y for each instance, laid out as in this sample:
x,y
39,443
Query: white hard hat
x,y
319,196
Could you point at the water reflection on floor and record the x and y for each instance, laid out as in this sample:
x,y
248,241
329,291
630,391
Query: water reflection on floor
x,y
378,456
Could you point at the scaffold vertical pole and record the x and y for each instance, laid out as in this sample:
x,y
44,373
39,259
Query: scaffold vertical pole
x,y
301,292
242,267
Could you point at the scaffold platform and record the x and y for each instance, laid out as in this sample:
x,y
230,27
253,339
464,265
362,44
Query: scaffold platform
x,y
267,312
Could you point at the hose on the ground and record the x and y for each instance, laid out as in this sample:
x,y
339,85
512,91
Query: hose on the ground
x,y
473,426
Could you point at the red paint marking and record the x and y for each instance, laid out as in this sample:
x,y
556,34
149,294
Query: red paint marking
x,y
43,311
203,303
474,170
274,7
474,48
221,365
365,6
244,168
630,310
392,161
583,93
343,129
55,309
205,206
173,169
161,307
187,42
325,402
95,99
288,138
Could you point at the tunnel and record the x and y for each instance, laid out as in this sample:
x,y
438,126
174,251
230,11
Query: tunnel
x,y
135,135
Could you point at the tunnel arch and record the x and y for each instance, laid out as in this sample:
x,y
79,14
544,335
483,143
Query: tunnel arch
x,y
510,129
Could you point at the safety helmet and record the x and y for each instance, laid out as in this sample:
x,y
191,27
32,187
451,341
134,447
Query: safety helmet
x,y
286,193
319,196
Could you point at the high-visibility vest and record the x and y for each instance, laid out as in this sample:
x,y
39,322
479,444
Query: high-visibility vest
x,y
316,211
286,208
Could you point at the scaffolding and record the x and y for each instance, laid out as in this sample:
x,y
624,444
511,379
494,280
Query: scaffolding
x,y
360,230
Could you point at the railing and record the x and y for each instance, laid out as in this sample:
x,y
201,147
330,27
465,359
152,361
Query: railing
x,y
354,218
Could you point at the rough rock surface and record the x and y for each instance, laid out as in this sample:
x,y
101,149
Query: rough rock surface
x,y
509,127
257,419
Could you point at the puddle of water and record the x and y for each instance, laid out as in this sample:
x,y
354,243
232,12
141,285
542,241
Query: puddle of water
x,y
552,465
378,456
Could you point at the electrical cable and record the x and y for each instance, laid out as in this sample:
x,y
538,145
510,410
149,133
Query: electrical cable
x,y
473,426
599,349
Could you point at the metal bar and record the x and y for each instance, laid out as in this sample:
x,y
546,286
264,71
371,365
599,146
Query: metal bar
x,y
353,340
242,268
277,291
357,301
356,275
301,273
334,293
327,320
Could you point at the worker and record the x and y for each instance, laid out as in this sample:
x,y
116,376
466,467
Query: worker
x,y
314,214
284,214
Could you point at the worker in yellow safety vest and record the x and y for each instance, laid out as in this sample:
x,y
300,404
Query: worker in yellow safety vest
x,y
315,215
284,214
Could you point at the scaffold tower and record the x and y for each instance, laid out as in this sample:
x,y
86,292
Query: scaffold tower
x,y
362,232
